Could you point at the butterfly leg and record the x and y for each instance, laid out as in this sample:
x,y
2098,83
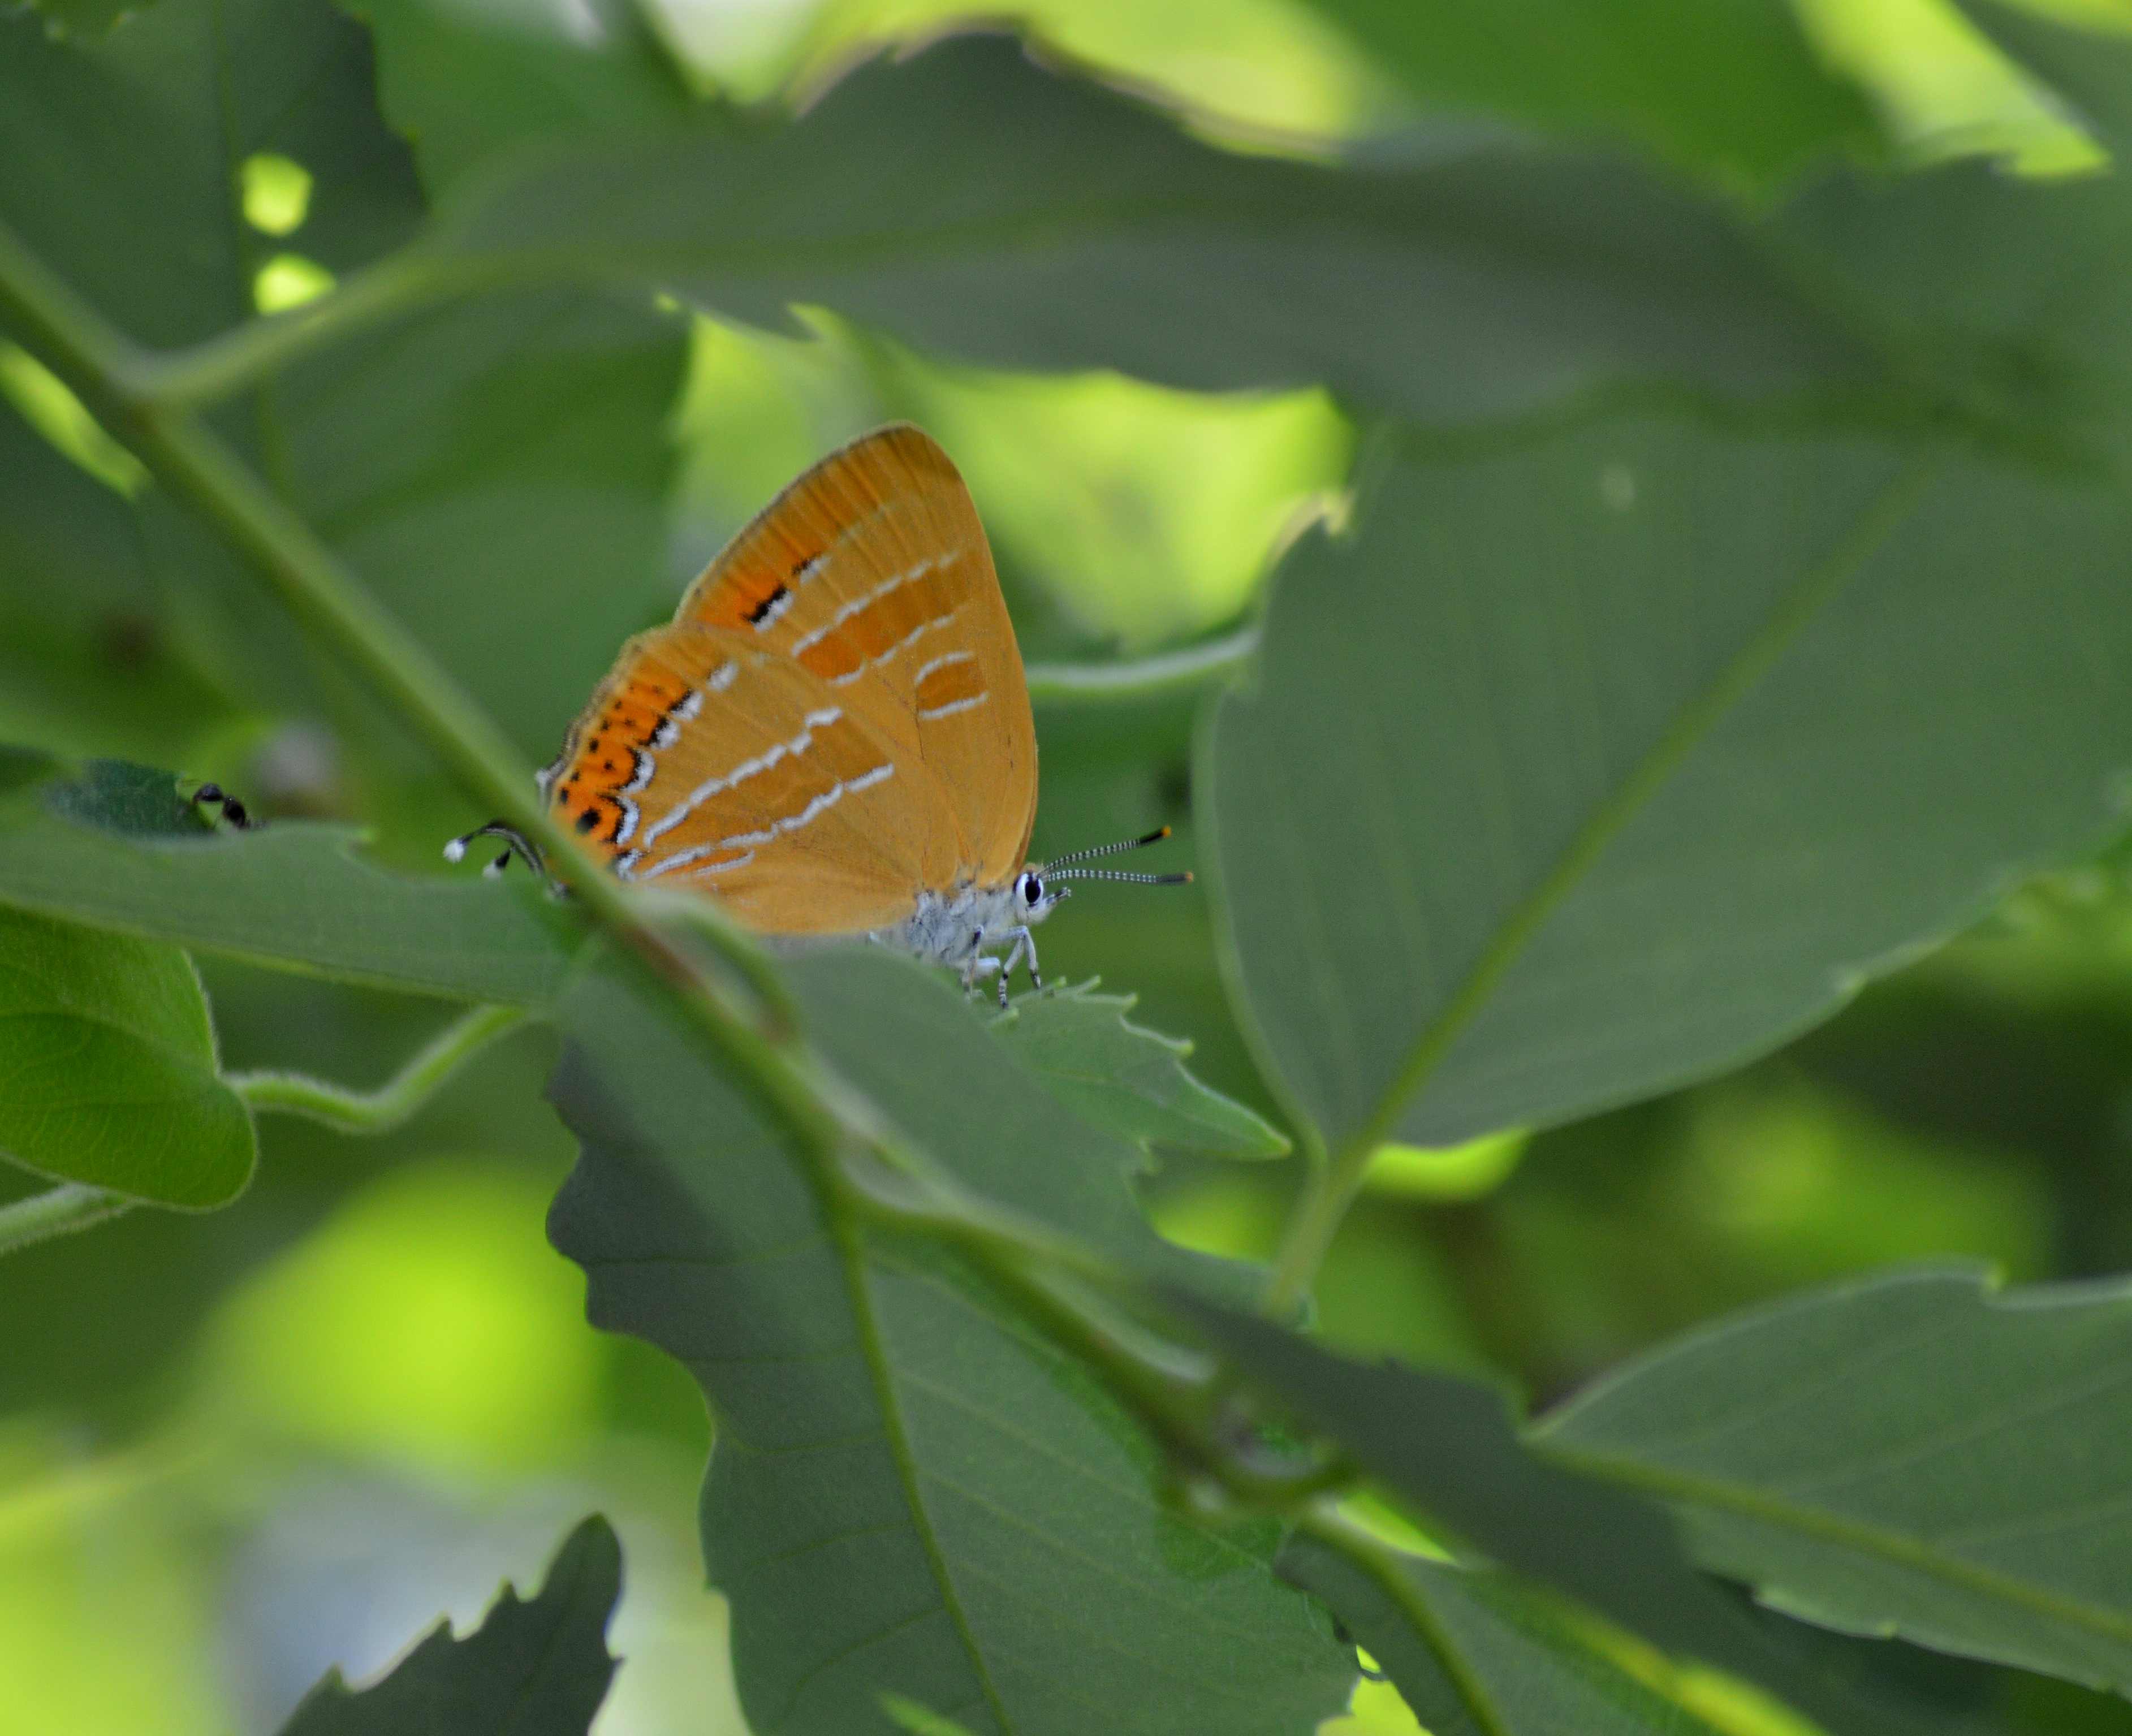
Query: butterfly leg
x,y
1024,945
978,964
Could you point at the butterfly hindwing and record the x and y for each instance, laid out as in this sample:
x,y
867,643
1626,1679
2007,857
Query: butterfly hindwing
x,y
871,571
707,763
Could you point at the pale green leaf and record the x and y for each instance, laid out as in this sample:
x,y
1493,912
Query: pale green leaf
x,y
108,1069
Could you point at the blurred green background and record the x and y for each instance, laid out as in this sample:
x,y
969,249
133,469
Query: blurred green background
x,y
237,1449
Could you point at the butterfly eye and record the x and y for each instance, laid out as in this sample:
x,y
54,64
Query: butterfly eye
x,y
1032,890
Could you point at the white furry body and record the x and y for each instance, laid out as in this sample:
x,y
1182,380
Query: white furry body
x,y
964,927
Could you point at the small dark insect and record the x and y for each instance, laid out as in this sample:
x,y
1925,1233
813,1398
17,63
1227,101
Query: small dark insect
x,y
213,795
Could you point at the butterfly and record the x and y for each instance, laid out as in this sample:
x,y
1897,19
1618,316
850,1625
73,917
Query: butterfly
x,y
832,735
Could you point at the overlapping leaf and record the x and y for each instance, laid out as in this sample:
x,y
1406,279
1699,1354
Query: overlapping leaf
x,y
969,200
1637,746
1734,89
1446,1445
1911,1455
1475,1654
1127,1078
912,1491
114,846
538,1667
497,470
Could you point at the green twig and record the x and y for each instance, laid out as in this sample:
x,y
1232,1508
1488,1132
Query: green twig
x,y
380,1110
1148,677
56,1211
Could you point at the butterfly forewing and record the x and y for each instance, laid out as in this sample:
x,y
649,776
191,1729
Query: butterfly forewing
x,y
708,764
871,572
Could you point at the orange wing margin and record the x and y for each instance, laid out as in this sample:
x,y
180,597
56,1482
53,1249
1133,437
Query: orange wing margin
x,y
708,765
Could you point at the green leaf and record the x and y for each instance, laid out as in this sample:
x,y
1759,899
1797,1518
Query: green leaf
x,y
1910,1455
1999,290
464,84
973,203
916,1718
496,470
2091,68
1474,1655
119,157
1733,88
531,1669
1130,1079
86,663
108,1071
912,1491
1639,747
1447,1445
116,848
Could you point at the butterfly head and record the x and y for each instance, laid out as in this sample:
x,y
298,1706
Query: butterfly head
x,y
1033,898
1037,888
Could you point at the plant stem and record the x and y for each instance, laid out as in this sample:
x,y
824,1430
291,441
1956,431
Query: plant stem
x,y
1329,1190
225,365
380,1110
56,1211
1149,677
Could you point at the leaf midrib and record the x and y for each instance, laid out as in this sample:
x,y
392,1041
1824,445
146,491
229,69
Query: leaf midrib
x,y
1875,1540
851,1258
1817,587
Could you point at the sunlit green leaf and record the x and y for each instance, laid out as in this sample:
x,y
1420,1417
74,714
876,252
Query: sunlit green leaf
x,y
533,1668
108,1071
1732,89
1639,747
912,1491
969,200
1910,1455
120,852
1126,1078
2092,68
464,82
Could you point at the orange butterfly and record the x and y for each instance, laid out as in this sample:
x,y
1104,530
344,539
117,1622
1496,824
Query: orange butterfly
x,y
832,735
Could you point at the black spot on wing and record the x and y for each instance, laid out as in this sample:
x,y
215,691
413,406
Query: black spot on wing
x,y
768,603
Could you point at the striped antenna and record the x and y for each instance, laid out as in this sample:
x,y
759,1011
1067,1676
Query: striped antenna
x,y
1058,870
1113,874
